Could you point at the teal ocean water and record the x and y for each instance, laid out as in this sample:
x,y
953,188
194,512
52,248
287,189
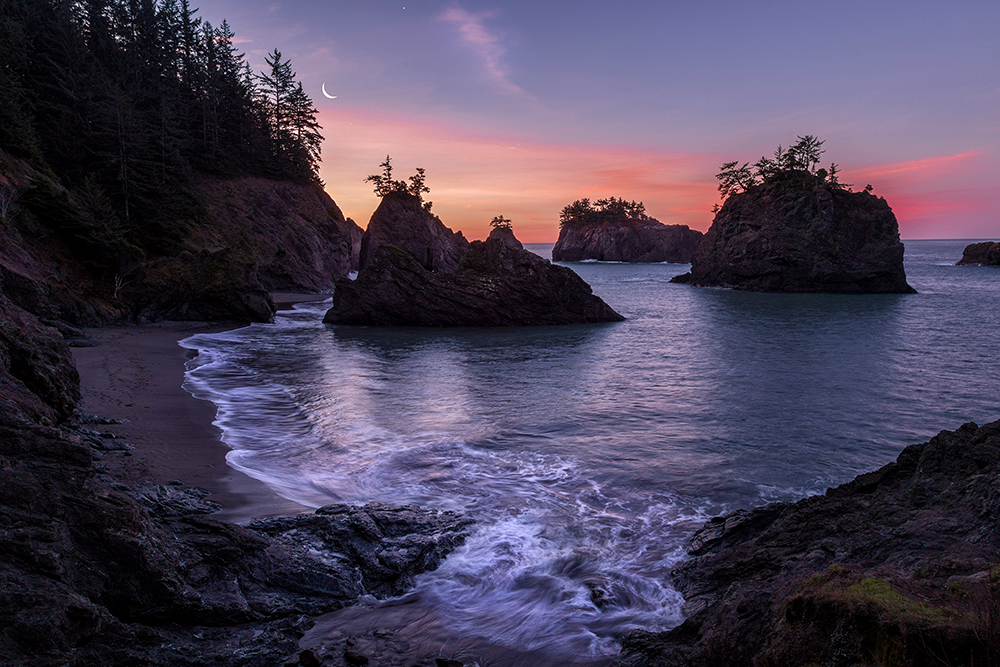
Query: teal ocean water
x,y
589,454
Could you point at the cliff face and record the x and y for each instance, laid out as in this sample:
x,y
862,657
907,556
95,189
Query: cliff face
x,y
986,253
65,256
297,234
496,283
626,241
401,221
899,563
796,233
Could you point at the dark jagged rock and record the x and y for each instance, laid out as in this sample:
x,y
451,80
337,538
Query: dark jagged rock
x,y
101,573
96,572
896,562
497,283
38,381
986,253
626,241
204,286
299,238
401,221
797,233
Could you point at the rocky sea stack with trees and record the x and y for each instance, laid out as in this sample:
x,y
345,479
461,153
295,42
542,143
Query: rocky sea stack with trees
x,y
786,226
616,230
415,271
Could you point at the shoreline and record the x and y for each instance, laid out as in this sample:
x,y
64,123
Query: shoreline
x,y
135,373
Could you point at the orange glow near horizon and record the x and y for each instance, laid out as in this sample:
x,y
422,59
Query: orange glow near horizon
x,y
474,176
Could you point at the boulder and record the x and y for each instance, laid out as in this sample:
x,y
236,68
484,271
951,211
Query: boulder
x,y
798,233
986,253
496,283
626,241
401,221
900,560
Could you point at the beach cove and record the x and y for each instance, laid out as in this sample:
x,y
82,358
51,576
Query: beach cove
x,y
567,505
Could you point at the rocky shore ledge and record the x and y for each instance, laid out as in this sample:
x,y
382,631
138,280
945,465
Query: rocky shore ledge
x,y
96,571
897,567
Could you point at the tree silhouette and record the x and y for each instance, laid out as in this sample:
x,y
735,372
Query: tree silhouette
x,y
803,156
582,211
500,222
385,184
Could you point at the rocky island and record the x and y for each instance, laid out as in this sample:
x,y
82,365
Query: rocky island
x,y
788,227
417,272
615,230
986,253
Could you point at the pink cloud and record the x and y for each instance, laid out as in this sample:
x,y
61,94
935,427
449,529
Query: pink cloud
x,y
935,197
472,29
919,168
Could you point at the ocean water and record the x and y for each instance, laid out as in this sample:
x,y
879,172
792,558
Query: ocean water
x,y
589,454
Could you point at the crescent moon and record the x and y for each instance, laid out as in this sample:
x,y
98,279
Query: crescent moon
x,y
328,95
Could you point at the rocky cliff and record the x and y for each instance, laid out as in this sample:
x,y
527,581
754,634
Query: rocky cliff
x,y
65,255
626,241
496,283
401,221
898,566
798,233
986,253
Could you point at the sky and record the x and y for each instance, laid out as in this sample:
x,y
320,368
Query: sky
x,y
519,108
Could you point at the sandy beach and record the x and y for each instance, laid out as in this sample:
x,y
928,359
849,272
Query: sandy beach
x,y
135,373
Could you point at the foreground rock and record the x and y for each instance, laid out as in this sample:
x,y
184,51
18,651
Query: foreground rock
x,y
401,221
626,241
496,283
895,567
798,233
96,572
986,253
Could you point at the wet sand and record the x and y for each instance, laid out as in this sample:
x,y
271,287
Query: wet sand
x,y
136,374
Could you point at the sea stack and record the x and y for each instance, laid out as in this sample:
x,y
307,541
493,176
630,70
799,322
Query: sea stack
x,y
986,253
800,232
625,240
496,283
402,221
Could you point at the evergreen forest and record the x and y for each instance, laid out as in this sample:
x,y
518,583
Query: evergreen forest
x,y
123,103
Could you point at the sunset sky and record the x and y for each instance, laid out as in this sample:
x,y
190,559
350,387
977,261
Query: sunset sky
x,y
518,108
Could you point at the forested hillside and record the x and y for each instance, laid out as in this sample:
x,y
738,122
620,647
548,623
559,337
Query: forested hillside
x,y
118,115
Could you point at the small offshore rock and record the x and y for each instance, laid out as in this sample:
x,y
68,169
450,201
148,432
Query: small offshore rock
x,y
626,240
986,253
